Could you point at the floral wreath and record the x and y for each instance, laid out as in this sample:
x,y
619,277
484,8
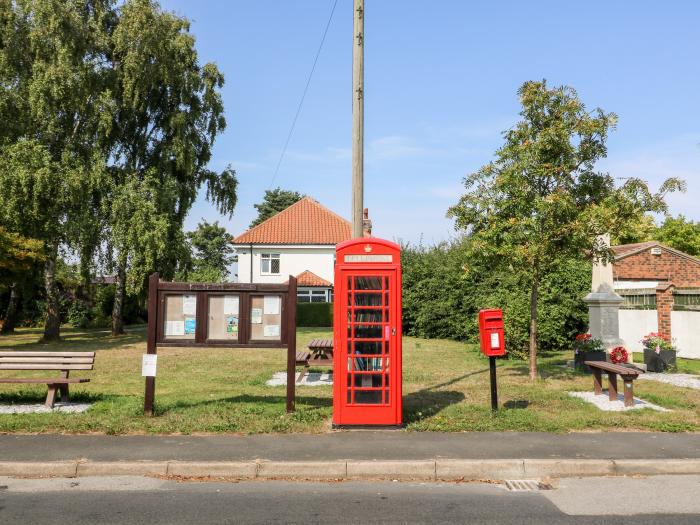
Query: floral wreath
x,y
619,355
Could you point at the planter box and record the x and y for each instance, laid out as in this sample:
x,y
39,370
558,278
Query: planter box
x,y
588,356
661,362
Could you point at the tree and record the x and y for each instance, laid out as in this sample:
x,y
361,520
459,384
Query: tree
x,y
18,256
681,234
212,253
53,97
274,202
166,111
542,201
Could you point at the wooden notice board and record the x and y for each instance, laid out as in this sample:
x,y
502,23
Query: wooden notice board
x,y
231,315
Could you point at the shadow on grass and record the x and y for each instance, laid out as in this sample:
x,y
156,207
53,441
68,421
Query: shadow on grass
x,y
426,403
79,341
34,397
307,401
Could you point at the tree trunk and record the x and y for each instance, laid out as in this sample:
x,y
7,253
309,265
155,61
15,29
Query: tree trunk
x,y
52,326
119,292
533,326
8,324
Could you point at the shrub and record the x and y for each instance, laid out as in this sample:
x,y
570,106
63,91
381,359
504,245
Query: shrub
x,y
314,314
79,314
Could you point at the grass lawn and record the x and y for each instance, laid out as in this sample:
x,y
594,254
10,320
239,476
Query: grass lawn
x,y
446,388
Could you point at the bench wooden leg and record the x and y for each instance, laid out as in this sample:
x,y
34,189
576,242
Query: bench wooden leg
x,y
612,386
629,395
303,372
597,382
64,392
51,396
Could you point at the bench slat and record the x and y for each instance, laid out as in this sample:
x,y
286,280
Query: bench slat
x,y
48,360
19,366
611,367
47,354
46,381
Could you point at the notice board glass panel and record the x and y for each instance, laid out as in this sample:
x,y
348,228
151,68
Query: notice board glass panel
x,y
224,316
180,316
266,318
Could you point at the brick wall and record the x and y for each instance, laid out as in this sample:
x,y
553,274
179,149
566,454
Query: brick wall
x,y
664,307
668,267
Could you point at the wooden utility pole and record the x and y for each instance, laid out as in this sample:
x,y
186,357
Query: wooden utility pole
x,y
358,117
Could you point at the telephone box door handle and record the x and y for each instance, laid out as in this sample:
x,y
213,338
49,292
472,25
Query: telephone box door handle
x,y
393,331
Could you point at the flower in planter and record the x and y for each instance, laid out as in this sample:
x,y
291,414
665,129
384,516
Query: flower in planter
x,y
587,343
657,342
619,355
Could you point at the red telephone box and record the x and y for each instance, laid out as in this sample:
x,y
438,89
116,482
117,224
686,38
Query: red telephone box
x,y
367,333
491,332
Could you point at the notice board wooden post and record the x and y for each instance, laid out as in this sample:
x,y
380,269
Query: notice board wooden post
x,y
291,342
150,391
285,336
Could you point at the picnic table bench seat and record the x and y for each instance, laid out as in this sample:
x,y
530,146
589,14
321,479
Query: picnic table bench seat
x,y
320,354
627,374
63,362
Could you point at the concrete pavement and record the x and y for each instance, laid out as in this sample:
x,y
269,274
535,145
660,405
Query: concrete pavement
x,y
355,455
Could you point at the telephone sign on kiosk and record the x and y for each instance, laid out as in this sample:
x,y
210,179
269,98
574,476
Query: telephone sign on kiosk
x,y
491,332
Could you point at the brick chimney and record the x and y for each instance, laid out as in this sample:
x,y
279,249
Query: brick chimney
x,y
366,223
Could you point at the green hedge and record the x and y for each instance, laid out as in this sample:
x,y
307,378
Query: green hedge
x,y
314,314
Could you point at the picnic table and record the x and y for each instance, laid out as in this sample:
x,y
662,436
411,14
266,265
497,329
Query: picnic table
x,y
320,353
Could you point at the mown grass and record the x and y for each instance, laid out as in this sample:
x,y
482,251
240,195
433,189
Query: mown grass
x,y
446,388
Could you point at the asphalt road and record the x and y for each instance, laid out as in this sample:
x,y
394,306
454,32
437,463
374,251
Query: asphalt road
x,y
154,501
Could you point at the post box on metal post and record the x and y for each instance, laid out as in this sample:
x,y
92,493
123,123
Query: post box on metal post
x,y
492,344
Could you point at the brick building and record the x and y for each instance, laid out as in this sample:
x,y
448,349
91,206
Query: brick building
x,y
663,286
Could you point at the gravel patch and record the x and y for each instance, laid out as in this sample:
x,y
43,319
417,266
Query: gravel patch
x,y
684,380
67,408
310,379
602,402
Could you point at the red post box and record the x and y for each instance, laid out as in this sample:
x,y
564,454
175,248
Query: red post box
x,y
491,332
367,333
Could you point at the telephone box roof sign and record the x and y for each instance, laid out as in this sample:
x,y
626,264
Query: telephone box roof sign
x,y
368,250
367,333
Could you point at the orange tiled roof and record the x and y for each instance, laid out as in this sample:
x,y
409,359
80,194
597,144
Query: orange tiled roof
x,y
304,222
307,278
624,249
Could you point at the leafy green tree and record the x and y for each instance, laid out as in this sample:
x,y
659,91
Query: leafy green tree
x,y
167,110
18,257
542,201
274,202
212,253
52,98
681,234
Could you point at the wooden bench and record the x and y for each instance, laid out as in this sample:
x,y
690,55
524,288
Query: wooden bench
x,y
627,374
320,354
64,362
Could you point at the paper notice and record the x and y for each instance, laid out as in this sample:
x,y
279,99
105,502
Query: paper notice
x,y
494,340
230,305
148,365
272,304
232,324
190,325
271,330
256,315
174,328
189,305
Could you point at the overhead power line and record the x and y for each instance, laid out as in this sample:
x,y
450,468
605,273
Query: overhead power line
x,y
303,96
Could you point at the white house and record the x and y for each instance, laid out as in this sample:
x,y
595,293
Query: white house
x,y
298,241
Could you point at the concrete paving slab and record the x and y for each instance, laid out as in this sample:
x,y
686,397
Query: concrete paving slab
x,y
65,408
602,401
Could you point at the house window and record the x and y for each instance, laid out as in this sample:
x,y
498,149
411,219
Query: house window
x,y
312,296
269,263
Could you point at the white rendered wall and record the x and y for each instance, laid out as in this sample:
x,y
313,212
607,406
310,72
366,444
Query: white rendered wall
x,y
293,261
685,331
635,324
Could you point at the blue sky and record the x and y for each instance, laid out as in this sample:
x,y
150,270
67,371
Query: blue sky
x,y
441,80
